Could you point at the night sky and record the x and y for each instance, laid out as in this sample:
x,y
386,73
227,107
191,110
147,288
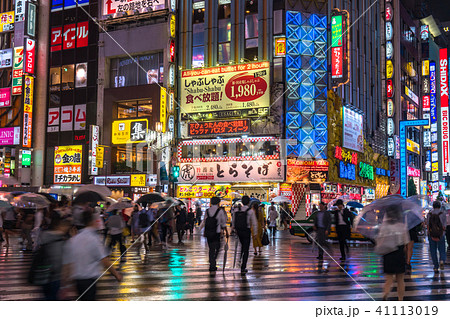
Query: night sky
x,y
440,9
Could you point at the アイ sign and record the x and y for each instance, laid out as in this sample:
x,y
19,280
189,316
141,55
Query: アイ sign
x,y
73,36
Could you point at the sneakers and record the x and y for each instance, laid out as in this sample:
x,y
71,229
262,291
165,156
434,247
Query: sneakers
x,y
441,265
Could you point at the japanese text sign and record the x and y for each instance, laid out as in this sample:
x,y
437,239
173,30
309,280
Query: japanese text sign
x,y
17,71
28,111
70,37
10,135
219,127
116,6
30,56
5,97
7,21
6,58
129,131
202,191
67,164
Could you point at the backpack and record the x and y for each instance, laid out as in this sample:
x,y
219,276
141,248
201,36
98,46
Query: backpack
x,y
143,220
41,269
240,220
211,224
435,228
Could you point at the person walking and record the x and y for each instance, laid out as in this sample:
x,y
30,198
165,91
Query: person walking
x,y
343,221
437,223
243,221
181,219
190,221
116,224
9,223
261,225
284,215
447,231
86,258
198,214
215,223
273,216
322,225
134,222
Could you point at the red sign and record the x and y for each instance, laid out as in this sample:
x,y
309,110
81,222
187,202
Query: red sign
x,y
244,87
426,103
388,12
336,62
443,64
172,50
414,172
74,35
445,121
219,127
30,56
389,88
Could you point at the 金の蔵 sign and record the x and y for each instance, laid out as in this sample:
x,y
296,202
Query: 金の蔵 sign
x,y
67,164
225,88
129,131
219,127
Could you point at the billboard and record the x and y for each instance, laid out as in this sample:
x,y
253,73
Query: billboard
x,y
5,97
28,111
445,138
7,21
6,58
225,88
95,136
58,5
353,130
10,136
117,6
232,171
67,164
129,131
17,71
72,36
219,127
30,56
31,20
202,191
19,10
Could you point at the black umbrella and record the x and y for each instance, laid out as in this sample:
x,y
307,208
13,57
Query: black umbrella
x,y
88,197
49,197
150,198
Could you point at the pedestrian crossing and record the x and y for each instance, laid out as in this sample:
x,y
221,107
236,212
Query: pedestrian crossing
x,y
286,270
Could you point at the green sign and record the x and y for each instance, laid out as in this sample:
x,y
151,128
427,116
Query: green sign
x,y
366,171
26,158
31,20
336,31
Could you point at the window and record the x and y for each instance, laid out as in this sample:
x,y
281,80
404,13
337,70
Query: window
x,y
134,109
62,78
224,33
251,30
139,70
198,34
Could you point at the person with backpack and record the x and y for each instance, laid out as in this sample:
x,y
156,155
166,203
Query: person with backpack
x,y
437,222
243,221
214,223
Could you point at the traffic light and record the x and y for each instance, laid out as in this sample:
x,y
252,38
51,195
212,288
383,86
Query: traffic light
x,y
176,171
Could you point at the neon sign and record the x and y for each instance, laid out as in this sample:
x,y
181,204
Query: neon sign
x,y
339,47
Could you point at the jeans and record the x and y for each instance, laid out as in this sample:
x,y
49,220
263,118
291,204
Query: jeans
x,y
214,247
342,234
164,229
273,230
434,247
51,290
83,285
117,239
244,238
321,240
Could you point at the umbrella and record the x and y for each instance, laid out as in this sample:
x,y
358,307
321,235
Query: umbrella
x,y
355,204
119,206
225,253
49,197
88,197
371,217
31,200
151,198
125,199
17,193
281,199
99,189
110,200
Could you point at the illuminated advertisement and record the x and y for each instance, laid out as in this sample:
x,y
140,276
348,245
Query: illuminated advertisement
x,y
30,56
95,137
445,138
339,46
306,171
426,103
67,164
117,6
219,127
6,58
163,108
28,111
412,146
67,4
5,97
7,21
202,191
224,88
433,120
17,71
10,136
279,46
353,130
129,131
72,36
306,78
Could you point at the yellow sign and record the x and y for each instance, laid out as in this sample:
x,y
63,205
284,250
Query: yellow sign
x,y
129,131
172,26
163,109
100,157
425,67
138,180
28,111
412,146
7,21
280,46
435,167
205,191
389,69
67,164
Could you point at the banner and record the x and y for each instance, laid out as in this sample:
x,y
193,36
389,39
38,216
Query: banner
x,y
30,56
163,108
129,131
5,97
116,6
10,136
66,118
28,111
353,130
17,71
67,164
80,117
100,156
232,171
225,88
54,116
203,191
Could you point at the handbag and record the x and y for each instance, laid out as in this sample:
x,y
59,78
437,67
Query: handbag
x,y
265,238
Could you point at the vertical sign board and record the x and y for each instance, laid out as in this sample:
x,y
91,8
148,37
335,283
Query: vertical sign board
x,y
443,69
95,136
30,56
31,20
20,11
28,111
433,123
163,109
17,71
403,156
339,43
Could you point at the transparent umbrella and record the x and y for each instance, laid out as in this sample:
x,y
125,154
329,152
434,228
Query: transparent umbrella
x,y
31,200
119,206
99,189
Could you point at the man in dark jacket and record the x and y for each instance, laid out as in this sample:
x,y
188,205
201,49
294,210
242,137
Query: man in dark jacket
x,y
343,219
322,225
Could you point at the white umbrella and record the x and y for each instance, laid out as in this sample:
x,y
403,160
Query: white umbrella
x,y
99,189
31,200
281,199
